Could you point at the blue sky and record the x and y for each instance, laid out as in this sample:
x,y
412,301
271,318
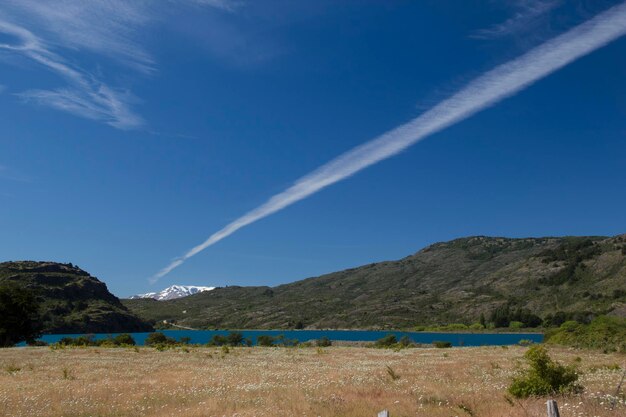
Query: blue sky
x,y
131,133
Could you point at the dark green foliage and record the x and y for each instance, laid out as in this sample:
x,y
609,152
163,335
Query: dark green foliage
x,y
90,340
560,317
572,252
159,339
387,341
544,376
19,316
70,300
265,340
281,340
323,342
231,339
619,293
235,339
185,340
404,341
442,344
605,333
218,340
124,339
450,282
505,314
572,249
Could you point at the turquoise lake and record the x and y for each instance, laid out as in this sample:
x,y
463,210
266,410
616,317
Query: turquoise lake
x,y
457,339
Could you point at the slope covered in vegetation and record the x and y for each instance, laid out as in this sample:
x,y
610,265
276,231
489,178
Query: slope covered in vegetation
x,y
71,300
501,280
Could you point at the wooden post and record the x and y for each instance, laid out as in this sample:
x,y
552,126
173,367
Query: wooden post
x,y
383,413
553,409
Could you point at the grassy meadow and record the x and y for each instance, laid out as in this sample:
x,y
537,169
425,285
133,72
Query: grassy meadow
x,y
334,381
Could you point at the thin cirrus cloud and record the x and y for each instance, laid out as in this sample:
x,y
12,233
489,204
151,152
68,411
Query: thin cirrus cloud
x,y
84,96
49,32
527,14
485,91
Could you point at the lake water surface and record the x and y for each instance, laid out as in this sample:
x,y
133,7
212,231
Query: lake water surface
x,y
457,339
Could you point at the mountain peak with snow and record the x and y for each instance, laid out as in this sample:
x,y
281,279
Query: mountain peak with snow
x,y
173,292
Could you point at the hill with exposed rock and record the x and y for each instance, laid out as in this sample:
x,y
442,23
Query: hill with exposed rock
x,y
71,300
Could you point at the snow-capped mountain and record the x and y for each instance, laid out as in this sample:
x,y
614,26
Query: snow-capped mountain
x,y
175,291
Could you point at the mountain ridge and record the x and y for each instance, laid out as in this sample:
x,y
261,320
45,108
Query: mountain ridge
x,y
446,282
172,292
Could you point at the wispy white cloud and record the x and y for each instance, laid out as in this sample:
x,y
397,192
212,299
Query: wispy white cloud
x,y
49,32
485,91
85,96
525,17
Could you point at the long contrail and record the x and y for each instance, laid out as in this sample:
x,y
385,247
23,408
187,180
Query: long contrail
x,y
484,91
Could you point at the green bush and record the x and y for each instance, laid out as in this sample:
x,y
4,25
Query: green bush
x,y
404,341
604,332
569,326
323,342
387,341
544,376
159,339
440,344
19,315
265,340
516,325
124,339
453,327
218,340
281,340
235,339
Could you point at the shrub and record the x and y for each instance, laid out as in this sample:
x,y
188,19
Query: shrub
x,y
405,341
387,341
516,325
453,327
124,339
265,340
323,342
19,315
605,333
544,376
569,326
218,340
476,326
281,340
159,339
235,339
440,344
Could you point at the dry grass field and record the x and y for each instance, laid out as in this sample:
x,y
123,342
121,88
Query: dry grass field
x,y
336,381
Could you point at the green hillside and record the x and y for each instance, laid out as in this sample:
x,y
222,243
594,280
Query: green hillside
x,y
451,282
71,300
